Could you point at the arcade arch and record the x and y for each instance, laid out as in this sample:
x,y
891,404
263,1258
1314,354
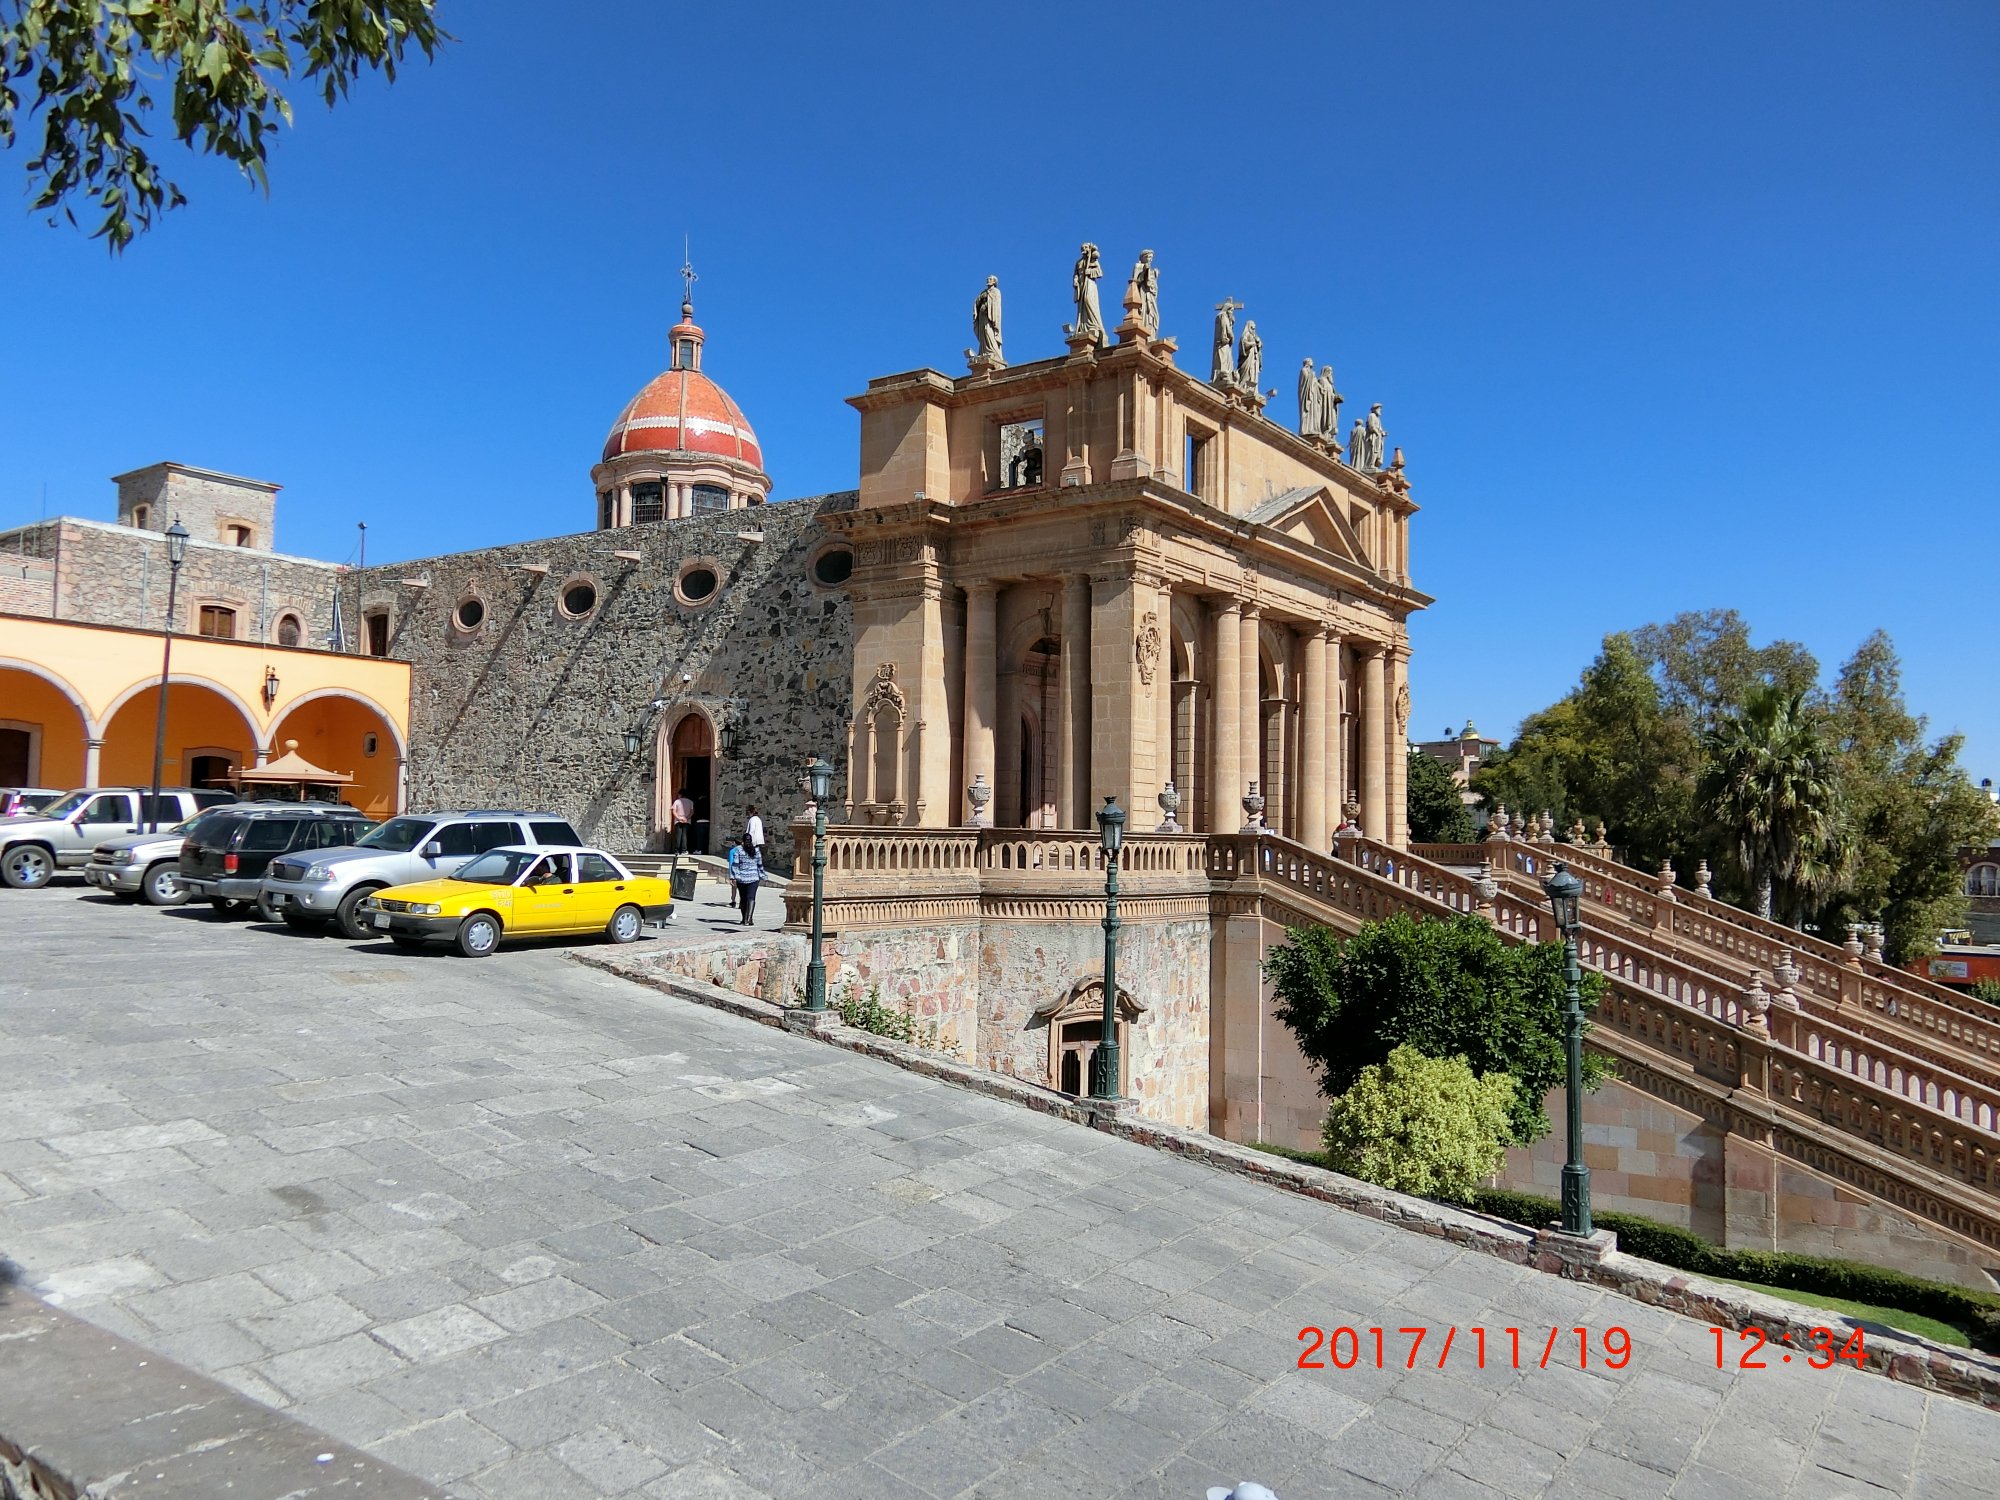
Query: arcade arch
x,y
205,722
335,730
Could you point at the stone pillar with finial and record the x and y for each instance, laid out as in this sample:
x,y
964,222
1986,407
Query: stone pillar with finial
x,y
1170,804
1852,947
1496,828
1577,835
1788,973
1253,811
1485,889
1701,880
1665,881
1546,834
1877,935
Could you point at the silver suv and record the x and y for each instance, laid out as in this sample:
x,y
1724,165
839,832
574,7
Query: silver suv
x,y
61,835
329,885
146,866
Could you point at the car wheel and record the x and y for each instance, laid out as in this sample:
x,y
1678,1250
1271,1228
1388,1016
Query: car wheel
x,y
303,922
348,918
478,935
28,867
159,887
625,925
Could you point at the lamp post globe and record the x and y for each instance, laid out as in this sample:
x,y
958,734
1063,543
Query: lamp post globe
x,y
177,540
819,779
1104,1072
1565,893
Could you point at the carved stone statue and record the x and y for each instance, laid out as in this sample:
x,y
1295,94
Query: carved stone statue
x,y
1329,406
986,320
1311,421
1146,282
1250,360
1223,369
1083,282
1357,444
1376,437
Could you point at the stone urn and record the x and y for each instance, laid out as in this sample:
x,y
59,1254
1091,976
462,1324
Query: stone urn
x,y
1253,811
1351,810
1666,879
1876,936
1701,880
979,794
1170,805
1852,947
1756,1004
1787,972
1484,887
1497,828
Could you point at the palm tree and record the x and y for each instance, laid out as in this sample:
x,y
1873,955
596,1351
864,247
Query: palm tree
x,y
1769,785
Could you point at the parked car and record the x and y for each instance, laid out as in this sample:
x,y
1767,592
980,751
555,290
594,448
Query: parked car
x,y
224,862
329,885
146,866
521,892
15,800
62,835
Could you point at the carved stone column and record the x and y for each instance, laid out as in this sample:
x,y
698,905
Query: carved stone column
x,y
1374,716
1163,690
1225,782
1340,774
981,708
1250,721
1009,809
1073,699
1397,749
1313,768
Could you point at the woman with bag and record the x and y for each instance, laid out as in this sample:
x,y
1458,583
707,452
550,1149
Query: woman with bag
x,y
746,873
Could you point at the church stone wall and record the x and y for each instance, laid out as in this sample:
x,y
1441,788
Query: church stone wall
x,y
529,708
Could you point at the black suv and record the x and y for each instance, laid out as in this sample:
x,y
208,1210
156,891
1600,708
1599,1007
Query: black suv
x,y
224,863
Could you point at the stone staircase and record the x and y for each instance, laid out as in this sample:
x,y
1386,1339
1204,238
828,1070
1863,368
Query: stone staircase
x,y
1870,1082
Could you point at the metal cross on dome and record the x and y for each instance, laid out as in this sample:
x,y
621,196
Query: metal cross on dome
x,y
688,279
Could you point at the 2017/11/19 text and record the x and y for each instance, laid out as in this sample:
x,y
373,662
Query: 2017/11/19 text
x,y
1512,1348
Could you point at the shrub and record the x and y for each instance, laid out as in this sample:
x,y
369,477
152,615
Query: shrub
x,y
1420,1124
1987,990
1448,988
871,1015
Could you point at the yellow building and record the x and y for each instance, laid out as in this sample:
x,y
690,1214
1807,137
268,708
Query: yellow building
x,y
79,706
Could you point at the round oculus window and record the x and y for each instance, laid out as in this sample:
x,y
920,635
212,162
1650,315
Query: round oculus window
x,y
697,584
579,598
470,613
833,566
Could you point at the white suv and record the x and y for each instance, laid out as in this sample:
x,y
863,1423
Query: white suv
x,y
61,836
329,885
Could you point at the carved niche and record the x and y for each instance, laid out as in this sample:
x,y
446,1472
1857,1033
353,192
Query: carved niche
x,y
883,693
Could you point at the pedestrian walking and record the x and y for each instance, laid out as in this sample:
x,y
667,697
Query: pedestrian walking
x,y
680,815
753,830
746,873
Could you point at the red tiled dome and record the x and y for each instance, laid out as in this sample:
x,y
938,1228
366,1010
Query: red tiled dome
x,y
682,410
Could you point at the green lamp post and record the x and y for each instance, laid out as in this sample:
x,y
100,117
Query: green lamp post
x,y
819,779
1104,1069
1565,893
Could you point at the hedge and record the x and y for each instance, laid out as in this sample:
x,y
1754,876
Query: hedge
x,y
1978,1313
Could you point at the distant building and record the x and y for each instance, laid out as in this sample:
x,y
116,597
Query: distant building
x,y
1461,754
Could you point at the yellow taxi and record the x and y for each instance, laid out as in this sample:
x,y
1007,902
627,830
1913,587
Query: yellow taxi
x,y
520,892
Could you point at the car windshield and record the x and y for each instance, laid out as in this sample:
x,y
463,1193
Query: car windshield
x,y
66,806
500,867
397,836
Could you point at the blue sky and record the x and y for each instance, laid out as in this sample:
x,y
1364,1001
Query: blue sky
x,y
1671,306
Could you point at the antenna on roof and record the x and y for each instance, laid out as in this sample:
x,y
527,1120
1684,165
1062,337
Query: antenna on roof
x,y
689,278
363,562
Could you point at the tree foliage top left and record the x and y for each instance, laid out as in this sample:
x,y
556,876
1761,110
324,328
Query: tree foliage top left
x,y
99,72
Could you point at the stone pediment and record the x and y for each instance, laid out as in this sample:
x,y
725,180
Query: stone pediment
x,y
1310,515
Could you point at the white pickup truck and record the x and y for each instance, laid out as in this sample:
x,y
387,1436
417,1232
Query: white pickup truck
x,y
34,846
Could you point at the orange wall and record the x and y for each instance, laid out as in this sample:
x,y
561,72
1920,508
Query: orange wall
x,y
331,733
196,717
31,700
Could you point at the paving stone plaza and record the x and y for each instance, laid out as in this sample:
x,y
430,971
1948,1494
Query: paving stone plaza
x,y
528,1231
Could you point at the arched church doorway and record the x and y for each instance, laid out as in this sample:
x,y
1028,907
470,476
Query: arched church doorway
x,y
691,768
1040,715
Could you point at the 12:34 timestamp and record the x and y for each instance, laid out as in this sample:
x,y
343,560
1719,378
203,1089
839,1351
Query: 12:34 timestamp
x,y
1826,1346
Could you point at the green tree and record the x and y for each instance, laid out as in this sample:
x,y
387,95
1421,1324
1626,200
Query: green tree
x,y
1437,813
1423,1125
1987,990
1770,788
94,67
1449,988
1705,665
1608,750
1912,808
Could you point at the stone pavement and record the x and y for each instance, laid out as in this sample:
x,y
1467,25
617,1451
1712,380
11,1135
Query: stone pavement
x,y
527,1230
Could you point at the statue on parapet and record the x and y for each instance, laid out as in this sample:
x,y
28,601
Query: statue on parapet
x,y
1222,370
1312,423
1357,444
1376,439
1329,408
1089,322
1146,282
986,325
1250,363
